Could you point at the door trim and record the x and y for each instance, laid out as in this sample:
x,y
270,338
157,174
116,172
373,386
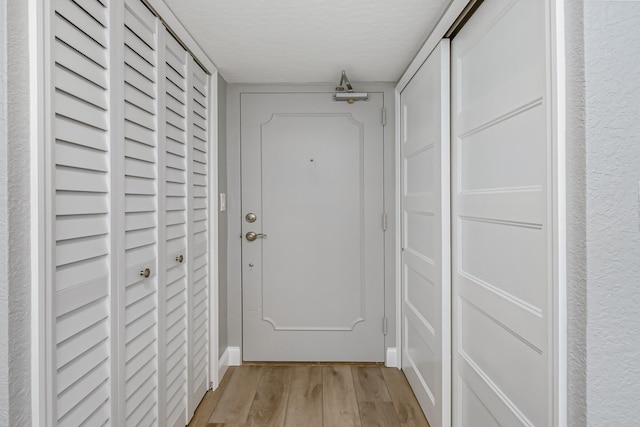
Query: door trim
x,y
556,66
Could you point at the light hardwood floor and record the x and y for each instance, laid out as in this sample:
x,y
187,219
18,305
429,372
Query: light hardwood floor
x,y
310,395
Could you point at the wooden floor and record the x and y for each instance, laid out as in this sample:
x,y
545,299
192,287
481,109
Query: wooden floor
x,y
340,395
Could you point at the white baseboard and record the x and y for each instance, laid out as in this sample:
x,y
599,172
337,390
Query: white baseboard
x,y
392,358
223,365
234,356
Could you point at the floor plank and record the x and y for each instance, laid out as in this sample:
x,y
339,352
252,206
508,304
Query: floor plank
x,y
270,404
370,385
236,401
310,395
407,407
210,401
340,406
378,414
305,397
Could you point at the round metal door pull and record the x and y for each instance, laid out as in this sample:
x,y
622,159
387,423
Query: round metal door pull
x,y
251,236
145,273
180,258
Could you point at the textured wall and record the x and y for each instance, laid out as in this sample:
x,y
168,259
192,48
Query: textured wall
x,y
223,340
576,215
18,258
612,77
4,226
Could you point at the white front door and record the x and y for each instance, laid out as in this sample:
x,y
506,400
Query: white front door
x,y
312,174
426,273
502,209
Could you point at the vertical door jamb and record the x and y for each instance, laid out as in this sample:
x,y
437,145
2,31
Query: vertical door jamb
x,y
161,294
117,209
212,228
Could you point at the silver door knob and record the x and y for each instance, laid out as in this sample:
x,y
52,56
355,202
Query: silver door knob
x,y
180,258
251,236
145,273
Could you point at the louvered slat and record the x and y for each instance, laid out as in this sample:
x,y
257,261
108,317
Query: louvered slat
x,y
81,232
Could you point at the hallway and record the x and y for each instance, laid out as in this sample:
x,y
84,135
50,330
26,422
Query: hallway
x,y
310,395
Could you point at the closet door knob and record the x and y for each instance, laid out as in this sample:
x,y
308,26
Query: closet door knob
x,y
146,272
180,258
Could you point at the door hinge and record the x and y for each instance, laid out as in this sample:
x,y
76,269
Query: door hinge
x,y
384,116
384,221
384,325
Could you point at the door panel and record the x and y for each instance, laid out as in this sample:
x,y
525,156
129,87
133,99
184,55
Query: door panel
x,y
80,349
312,174
176,217
425,236
502,237
140,341
198,294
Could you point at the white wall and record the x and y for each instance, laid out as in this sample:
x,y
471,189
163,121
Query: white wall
x,y
4,226
576,215
612,130
603,81
15,386
234,200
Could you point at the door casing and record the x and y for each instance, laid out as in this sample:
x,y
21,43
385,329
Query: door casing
x,y
234,265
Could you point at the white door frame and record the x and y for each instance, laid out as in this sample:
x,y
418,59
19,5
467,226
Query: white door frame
x,y
556,73
234,270
40,78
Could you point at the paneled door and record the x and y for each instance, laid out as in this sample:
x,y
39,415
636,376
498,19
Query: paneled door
x,y
502,218
312,192
426,272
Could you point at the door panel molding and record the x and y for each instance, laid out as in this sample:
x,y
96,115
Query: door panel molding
x,y
309,169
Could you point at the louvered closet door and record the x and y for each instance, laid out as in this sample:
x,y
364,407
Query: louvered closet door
x,y
198,258
81,356
175,130
128,175
139,351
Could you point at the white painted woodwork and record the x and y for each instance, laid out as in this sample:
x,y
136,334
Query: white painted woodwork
x,y
139,367
128,172
80,342
176,193
426,261
198,256
312,173
502,218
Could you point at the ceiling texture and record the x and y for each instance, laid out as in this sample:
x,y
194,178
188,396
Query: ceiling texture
x,y
309,41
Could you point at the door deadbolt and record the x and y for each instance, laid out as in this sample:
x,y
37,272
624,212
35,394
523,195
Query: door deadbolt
x,y
251,236
251,217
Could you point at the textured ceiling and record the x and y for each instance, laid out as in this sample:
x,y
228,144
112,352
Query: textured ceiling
x,y
298,41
